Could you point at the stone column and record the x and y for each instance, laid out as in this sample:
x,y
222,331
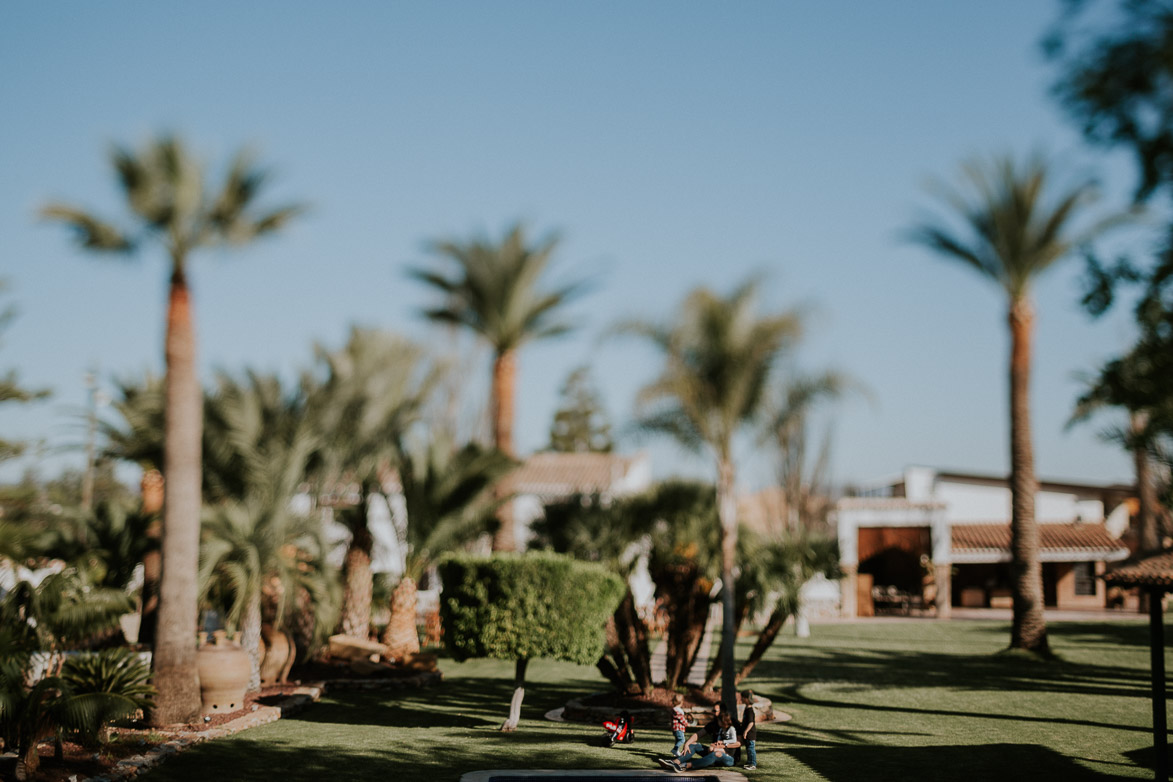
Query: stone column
x,y
944,578
847,590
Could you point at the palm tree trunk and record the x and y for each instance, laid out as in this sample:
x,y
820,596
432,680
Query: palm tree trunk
x,y
1029,628
688,611
504,383
1146,490
401,636
356,600
633,636
727,513
174,660
765,640
501,403
613,662
250,639
304,621
152,488
718,663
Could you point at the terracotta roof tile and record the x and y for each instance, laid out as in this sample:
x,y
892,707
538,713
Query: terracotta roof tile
x,y
1153,570
1077,537
563,474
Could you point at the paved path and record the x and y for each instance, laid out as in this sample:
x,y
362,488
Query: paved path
x,y
696,674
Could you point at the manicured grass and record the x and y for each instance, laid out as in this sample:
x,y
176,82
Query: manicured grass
x,y
900,700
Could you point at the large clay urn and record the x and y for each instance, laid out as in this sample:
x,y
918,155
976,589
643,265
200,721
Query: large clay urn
x,y
224,671
278,657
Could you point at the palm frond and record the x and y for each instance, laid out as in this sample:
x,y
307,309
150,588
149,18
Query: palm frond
x,y
90,232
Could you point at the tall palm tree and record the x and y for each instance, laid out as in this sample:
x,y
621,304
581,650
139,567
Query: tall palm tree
x,y
373,391
495,290
719,357
1010,228
164,188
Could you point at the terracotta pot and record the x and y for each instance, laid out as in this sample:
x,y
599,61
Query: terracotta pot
x,y
278,650
224,670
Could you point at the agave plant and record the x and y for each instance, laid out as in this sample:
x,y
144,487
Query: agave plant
x,y
28,715
102,687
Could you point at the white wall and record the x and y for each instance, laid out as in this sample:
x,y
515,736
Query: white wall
x,y
975,503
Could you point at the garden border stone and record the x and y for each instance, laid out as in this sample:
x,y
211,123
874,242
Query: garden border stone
x,y
259,715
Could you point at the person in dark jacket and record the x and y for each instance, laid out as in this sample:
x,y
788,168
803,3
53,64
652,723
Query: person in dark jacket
x,y
747,730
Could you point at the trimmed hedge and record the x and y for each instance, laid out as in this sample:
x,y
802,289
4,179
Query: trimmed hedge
x,y
511,607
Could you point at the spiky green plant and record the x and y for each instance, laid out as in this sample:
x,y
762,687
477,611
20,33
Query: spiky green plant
x,y
28,715
62,612
103,687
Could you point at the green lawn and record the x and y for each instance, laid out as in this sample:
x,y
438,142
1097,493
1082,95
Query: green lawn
x,y
882,701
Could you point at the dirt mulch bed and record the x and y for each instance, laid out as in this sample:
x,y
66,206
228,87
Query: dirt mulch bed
x,y
660,696
332,671
127,741
648,709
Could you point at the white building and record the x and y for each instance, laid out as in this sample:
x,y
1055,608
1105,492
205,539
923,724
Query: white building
x,y
551,477
935,538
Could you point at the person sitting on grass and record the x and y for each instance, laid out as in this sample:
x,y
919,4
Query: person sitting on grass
x,y
710,731
716,754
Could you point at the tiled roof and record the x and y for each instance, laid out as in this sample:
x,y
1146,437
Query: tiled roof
x,y
1153,570
563,474
1077,537
886,503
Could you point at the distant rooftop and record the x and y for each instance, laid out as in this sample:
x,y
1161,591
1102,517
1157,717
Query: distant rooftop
x,y
1074,538
553,474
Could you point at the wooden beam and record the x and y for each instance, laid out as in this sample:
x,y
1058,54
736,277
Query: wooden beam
x,y
1157,648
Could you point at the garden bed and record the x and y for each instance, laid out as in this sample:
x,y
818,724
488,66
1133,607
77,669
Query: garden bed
x,y
132,749
654,709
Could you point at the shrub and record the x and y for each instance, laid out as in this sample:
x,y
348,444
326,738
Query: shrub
x,y
519,608
538,605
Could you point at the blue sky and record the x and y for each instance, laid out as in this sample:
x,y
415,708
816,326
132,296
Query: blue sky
x,y
670,144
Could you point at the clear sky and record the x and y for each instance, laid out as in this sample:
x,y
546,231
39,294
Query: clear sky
x,y
671,144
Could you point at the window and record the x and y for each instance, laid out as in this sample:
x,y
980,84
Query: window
x,y
1085,578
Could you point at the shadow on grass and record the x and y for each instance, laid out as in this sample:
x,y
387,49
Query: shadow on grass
x,y
1003,762
397,759
879,669
794,697
466,702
